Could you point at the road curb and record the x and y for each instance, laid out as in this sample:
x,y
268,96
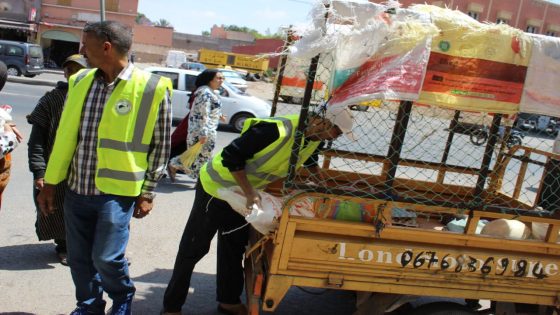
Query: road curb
x,y
31,81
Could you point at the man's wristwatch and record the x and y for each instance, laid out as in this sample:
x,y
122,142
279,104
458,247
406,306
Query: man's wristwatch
x,y
148,195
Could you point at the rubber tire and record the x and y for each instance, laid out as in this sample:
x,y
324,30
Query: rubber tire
x,y
360,108
478,137
513,142
29,75
297,100
286,99
14,71
238,120
442,308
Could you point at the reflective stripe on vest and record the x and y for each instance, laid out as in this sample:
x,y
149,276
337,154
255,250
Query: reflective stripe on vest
x,y
136,144
251,169
120,175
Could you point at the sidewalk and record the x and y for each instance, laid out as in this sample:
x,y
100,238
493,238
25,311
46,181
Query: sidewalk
x,y
47,78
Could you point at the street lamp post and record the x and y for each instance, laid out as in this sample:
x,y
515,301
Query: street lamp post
x,y
102,9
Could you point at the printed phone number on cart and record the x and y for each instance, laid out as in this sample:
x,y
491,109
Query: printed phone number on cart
x,y
500,266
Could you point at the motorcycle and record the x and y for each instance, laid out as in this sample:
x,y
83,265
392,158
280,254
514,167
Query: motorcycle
x,y
515,138
480,136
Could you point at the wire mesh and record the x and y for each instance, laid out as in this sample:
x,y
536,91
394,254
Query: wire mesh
x,y
440,159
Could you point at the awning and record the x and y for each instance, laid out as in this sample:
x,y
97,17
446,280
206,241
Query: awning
x,y
60,35
17,25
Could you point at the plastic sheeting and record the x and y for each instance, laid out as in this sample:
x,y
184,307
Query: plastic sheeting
x,y
432,55
541,94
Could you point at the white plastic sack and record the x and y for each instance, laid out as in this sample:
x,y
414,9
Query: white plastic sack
x,y
539,230
263,219
512,229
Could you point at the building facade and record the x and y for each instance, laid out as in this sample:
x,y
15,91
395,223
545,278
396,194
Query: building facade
x,y
18,19
533,16
61,23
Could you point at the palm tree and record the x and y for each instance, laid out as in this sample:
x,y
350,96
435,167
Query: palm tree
x,y
163,23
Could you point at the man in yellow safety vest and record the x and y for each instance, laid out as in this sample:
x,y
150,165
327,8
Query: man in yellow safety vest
x,y
111,146
258,157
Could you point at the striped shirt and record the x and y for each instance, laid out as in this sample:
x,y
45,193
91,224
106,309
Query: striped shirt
x,y
81,178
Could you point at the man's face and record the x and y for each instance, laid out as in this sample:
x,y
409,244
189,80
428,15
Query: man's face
x,y
322,129
94,49
71,68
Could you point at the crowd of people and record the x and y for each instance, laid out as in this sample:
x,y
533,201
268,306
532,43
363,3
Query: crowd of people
x,y
99,144
101,141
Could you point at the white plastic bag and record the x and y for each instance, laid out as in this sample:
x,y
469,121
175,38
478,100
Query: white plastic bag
x,y
263,219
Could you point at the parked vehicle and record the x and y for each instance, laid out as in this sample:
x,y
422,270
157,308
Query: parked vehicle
x,y
234,79
220,59
175,58
22,58
196,66
237,105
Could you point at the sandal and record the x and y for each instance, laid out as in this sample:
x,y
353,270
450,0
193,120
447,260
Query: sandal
x,y
171,172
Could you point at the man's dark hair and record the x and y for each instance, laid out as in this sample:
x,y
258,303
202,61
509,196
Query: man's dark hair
x,y
3,75
118,34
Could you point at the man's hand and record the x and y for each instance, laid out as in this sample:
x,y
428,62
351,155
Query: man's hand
x,y
253,198
45,199
39,183
143,207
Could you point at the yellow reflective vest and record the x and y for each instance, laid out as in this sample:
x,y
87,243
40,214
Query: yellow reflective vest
x,y
124,133
267,165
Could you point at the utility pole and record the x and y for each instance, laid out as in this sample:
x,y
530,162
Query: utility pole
x,y
102,9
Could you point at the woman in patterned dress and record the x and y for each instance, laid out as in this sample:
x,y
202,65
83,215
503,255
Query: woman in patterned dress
x,y
204,117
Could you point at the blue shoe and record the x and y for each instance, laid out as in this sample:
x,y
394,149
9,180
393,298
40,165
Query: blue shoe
x,y
95,309
124,308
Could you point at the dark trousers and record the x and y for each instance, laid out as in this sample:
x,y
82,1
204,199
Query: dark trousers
x,y
209,215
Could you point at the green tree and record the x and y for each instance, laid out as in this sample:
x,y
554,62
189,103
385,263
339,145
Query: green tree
x,y
251,31
205,33
163,23
140,17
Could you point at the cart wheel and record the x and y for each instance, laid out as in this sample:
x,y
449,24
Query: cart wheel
x,y
442,308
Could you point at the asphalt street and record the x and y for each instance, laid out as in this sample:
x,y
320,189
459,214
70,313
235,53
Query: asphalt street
x,y
33,282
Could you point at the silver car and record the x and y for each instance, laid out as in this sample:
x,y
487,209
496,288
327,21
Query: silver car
x,y
237,105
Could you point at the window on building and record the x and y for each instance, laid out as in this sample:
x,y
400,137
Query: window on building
x,y
550,33
112,5
67,3
502,21
473,14
532,29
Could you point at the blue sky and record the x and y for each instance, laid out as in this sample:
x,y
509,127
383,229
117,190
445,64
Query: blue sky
x,y
195,16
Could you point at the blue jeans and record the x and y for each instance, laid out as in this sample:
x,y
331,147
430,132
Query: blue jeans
x,y
97,230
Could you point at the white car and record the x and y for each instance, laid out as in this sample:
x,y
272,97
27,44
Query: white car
x,y
234,79
237,105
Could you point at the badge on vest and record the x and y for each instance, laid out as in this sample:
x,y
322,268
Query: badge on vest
x,y
123,106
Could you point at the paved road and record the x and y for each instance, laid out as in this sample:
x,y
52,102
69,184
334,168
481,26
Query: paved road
x,y
32,281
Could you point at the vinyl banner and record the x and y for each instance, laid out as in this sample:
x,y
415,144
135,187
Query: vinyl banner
x,y
475,66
